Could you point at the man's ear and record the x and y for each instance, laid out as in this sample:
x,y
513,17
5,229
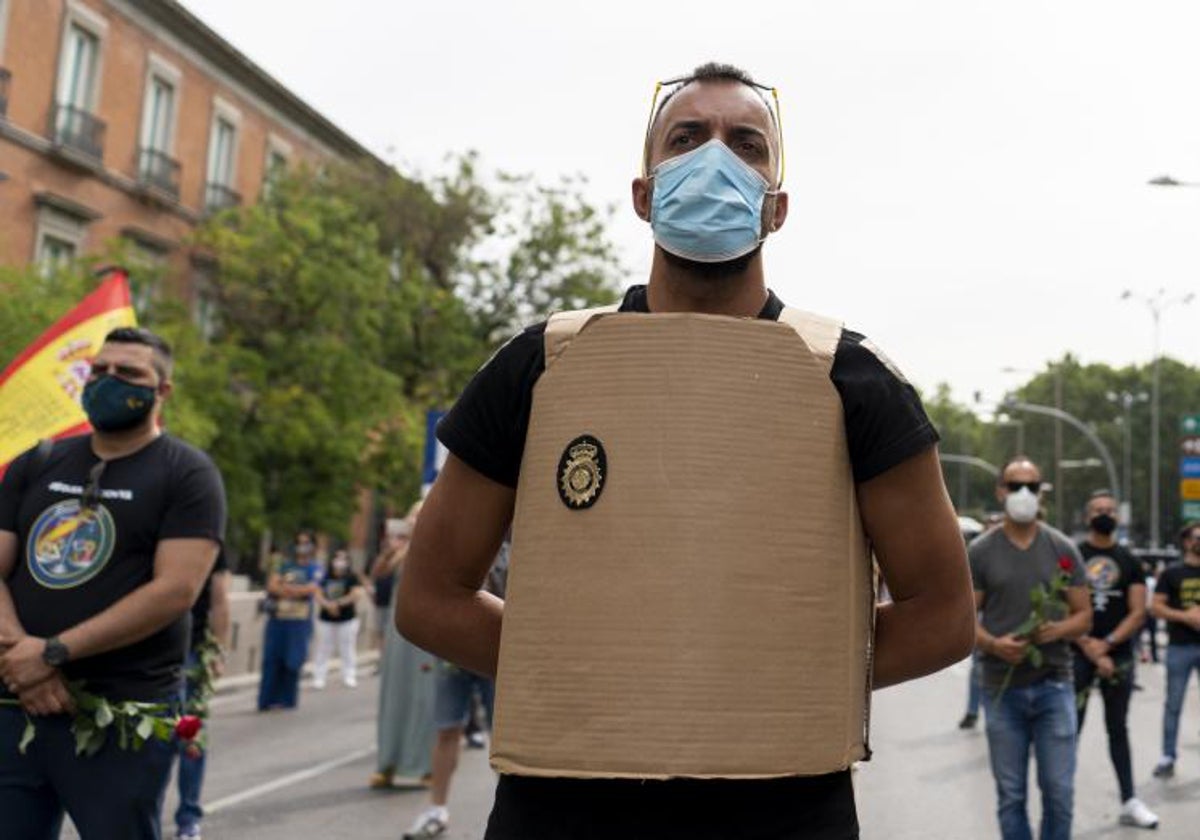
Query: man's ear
x,y
643,193
779,211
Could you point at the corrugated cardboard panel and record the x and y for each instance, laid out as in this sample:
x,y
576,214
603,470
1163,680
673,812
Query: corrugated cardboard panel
x,y
709,615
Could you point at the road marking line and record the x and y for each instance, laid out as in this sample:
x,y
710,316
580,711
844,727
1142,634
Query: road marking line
x,y
286,781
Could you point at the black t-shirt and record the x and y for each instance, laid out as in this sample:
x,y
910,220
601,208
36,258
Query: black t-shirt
x,y
1111,571
337,587
72,565
1181,584
203,604
885,425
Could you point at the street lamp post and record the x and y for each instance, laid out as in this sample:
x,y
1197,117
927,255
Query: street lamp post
x,y
1072,420
1157,304
1126,400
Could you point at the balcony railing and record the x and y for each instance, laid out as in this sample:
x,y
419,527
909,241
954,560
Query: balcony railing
x,y
5,78
156,169
77,130
219,197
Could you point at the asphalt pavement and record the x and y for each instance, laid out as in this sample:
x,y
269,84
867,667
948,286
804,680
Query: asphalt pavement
x,y
303,774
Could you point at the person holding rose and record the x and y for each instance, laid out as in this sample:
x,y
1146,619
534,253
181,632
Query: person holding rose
x,y
293,587
1029,695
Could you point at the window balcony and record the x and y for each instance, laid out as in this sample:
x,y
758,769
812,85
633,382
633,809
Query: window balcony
x,y
5,78
76,132
158,171
219,197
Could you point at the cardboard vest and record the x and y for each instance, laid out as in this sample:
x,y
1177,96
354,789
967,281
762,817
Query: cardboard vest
x,y
690,591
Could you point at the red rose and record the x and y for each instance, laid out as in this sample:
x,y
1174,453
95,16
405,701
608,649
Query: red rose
x,y
188,727
1065,563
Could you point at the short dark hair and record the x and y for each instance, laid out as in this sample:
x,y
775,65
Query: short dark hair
x,y
1186,531
163,361
711,71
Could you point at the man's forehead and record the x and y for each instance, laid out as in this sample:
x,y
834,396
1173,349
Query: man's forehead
x,y
121,351
1019,469
725,98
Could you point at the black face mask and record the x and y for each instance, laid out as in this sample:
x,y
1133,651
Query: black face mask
x,y
1103,524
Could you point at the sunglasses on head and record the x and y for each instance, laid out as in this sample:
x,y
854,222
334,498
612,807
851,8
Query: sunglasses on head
x,y
1031,486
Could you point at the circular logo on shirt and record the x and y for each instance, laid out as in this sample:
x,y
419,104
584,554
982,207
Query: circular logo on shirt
x,y
582,470
1103,572
68,546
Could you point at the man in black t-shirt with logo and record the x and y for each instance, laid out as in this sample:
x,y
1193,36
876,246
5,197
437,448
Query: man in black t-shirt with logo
x,y
1177,602
720,142
105,544
1105,655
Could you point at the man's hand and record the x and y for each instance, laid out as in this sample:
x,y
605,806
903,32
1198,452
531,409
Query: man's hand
x,y
1047,632
22,667
1191,617
217,667
1105,667
1093,648
49,697
1009,648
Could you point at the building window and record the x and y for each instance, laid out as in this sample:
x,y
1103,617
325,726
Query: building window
x,y
54,253
279,153
156,167
222,159
205,310
74,125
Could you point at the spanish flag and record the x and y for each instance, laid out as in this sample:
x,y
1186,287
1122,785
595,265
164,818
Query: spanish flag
x,y
40,389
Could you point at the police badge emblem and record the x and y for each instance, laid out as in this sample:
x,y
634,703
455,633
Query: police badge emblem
x,y
582,471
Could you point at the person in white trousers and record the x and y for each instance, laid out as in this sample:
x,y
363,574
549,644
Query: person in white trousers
x,y
337,621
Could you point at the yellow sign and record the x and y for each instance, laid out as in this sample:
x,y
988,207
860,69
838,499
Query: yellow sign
x,y
1189,488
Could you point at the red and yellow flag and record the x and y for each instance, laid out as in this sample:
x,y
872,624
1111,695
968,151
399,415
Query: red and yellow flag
x,y
40,389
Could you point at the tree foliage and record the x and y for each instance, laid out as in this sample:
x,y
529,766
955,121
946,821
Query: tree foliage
x,y
350,303
1091,393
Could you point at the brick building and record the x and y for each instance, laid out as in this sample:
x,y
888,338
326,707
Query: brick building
x,y
132,119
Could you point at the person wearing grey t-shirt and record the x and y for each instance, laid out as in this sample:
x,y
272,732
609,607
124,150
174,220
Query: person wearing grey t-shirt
x,y
1029,695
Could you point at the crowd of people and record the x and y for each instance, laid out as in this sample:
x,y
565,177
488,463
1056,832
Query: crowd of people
x,y
1033,674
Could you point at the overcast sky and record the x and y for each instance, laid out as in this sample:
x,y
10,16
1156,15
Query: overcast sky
x,y
967,178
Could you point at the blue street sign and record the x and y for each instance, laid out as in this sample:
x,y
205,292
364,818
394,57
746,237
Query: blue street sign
x,y
1189,467
435,453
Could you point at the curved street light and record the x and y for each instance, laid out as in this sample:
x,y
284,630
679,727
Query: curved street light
x,y
1070,419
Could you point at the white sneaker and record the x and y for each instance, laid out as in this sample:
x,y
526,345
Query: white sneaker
x,y
433,822
1134,812
318,685
350,682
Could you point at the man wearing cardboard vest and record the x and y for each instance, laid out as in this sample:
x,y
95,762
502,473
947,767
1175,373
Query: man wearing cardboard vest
x,y
697,480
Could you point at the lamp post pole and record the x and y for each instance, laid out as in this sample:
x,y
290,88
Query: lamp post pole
x,y
1126,400
1157,303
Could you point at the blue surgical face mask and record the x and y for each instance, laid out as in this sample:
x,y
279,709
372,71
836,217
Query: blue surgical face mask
x,y
114,405
707,204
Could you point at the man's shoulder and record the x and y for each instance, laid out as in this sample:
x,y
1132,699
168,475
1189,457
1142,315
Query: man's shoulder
x,y
183,454
1060,541
985,544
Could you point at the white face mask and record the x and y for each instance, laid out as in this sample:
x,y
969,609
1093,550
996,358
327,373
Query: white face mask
x,y
1021,506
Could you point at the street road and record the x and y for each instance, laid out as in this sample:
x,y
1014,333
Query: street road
x,y
303,774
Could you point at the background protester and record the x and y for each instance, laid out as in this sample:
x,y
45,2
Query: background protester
x,y
292,588
106,541
1105,654
337,621
1177,602
405,730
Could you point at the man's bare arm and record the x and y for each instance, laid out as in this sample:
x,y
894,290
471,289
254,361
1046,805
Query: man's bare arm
x,y
218,609
914,531
180,568
10,625
441,606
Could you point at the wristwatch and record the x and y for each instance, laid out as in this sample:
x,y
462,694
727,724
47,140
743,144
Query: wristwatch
x,y
56,654
1111,641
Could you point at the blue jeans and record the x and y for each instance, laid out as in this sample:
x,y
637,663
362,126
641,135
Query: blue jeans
x,y
1181,661
1041,715
974,684
114,795
191,770
452,699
